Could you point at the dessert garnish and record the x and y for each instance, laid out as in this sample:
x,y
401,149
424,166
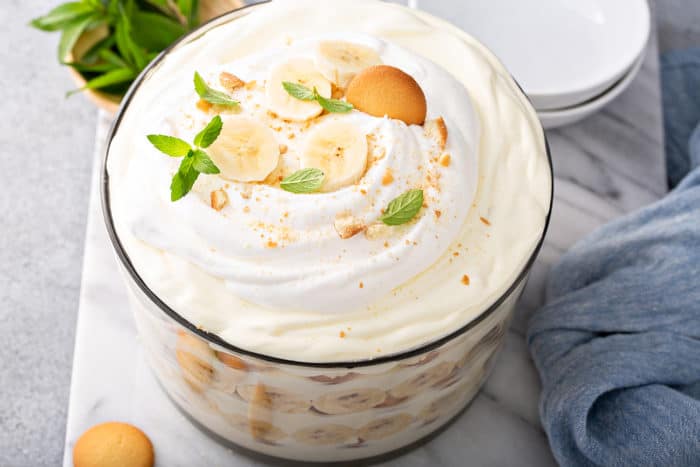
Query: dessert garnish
x,y
339,149
340,61
246,151
385,90
303,181
301,92
437,130
211,95
195,160
403,208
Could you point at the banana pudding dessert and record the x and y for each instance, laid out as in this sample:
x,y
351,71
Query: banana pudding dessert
x,y
325,213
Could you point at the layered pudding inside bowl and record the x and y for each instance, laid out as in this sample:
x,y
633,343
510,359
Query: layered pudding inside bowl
x,y
325,213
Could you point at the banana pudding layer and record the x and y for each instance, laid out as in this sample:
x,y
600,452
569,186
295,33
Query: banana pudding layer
x,y
338,271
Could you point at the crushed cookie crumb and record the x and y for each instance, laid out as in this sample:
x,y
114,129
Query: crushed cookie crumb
x,y
363,191
230,81
283,148
438,213
386,244
445,160
362,286
218,199
465,279
348,226
271,244
342,334
246,209
203,105
484,220
456,253
387,178
251,85
437,130
286,214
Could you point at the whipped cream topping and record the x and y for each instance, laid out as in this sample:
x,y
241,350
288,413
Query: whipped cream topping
x,y
269,272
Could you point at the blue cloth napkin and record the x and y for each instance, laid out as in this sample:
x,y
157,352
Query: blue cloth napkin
x,y
618,344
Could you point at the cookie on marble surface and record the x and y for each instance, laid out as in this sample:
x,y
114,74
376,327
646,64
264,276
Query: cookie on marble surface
x,y
385,90
113,444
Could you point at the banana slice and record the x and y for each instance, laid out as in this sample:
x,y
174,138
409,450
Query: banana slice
x,y
340,61
259,430
324,435
194,356
272,398
301,71
339,149
424,380
385,427
349,401
245,151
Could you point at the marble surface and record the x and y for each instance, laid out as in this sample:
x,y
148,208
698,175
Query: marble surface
x,y
605,166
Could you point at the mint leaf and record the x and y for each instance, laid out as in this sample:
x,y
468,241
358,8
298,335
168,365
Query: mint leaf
x,y
211,95
154,31
120,75
301,92
298,91
174,147
303,181
403,208
184,179
62,16
70,36
208,135
202,163
333,105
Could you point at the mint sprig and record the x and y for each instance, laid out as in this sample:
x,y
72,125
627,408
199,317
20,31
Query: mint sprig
x,y
195,161
303,181
301,92
210,94
403,208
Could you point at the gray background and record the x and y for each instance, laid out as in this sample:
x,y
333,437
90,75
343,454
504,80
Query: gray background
x,y
46,142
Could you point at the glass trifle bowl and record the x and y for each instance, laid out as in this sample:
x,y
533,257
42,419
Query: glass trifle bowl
x,y
371,190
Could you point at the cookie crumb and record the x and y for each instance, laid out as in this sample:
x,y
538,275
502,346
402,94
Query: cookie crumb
x,y
485,220
465,279
203,105
230,81
445,160
218,199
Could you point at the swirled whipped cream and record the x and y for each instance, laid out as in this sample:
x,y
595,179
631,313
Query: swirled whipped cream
x,y
318,276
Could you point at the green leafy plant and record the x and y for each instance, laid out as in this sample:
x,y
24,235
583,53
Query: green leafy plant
x,y
131,33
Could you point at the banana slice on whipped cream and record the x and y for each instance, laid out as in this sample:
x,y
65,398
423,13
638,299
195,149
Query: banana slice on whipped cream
x,y
245,151
339,149
301,71
339,61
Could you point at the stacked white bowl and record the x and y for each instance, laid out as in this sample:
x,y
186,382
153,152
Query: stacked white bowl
x,y
571,57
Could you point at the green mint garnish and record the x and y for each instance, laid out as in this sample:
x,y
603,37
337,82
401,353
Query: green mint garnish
x,y
303,181
209,94
195,161
208,135
174,147
301,92
403,208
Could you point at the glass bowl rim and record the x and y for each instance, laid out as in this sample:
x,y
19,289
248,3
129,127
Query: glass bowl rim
x,y
215,339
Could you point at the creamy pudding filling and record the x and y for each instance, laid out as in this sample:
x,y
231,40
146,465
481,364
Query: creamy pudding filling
x,y
292,248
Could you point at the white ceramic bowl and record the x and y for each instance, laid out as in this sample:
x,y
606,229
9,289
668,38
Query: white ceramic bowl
x,y
557,118
562,52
